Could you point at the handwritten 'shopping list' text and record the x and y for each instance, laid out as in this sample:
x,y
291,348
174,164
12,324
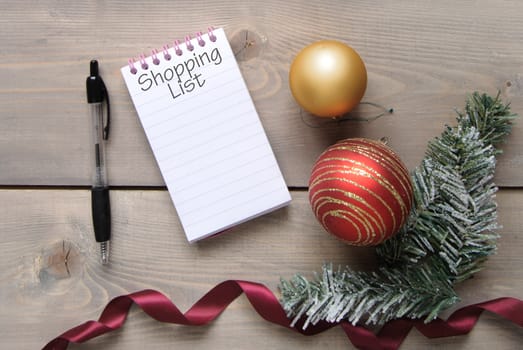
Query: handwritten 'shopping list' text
x,y
181,78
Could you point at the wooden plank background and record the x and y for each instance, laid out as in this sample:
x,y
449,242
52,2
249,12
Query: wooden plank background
x,y
422,58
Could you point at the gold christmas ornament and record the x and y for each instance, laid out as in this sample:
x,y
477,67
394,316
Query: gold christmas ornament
x,y
328,78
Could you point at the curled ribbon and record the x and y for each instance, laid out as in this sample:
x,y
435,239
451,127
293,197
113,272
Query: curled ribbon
x,y
212,304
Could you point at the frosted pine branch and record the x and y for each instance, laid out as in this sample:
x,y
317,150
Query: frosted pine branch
x,y
374,298
449,234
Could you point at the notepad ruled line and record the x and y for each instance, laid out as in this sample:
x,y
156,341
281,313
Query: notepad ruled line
x,y
183,136
277,192
234,182
180,121
209,141
225,149
189,186
229,195
177,174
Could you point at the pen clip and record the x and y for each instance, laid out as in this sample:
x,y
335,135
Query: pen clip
x,y
97,93
108,109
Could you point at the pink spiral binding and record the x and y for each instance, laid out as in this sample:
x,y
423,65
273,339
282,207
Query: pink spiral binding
x,y
132,67
177,48
165,50
210,32
201,42
154,55
188,44
143,64
166,54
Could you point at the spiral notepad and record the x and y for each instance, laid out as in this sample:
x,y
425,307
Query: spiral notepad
x,y
205,134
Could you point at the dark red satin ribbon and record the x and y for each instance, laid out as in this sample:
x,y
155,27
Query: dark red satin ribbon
x,y
210,306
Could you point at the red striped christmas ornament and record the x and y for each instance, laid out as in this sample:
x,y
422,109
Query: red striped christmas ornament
x,y
360,191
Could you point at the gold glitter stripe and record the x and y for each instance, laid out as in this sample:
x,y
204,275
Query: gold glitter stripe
x,y
391,159
356,198
395,170
372,193
392,192
385,159
407,191
337,214
371,147
395,167
340,214
343,179
380,180
364,215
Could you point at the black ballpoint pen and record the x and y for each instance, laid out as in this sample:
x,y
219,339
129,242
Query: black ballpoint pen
x,y
101,209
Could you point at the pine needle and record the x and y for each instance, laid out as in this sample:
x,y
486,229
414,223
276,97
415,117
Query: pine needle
x,y
447,239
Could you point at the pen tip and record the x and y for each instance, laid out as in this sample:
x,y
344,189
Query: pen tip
x,y
104,252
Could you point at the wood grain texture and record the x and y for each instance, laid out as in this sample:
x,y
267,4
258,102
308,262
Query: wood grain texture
x,y
422,58
41,296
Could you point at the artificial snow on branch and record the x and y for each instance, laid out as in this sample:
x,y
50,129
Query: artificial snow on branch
x,y
447,238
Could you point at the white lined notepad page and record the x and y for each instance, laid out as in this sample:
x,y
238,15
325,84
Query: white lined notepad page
x,y
206,136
